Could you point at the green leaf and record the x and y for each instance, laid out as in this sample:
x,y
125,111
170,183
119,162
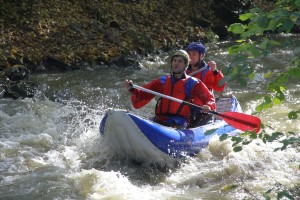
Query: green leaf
x,y
242,81
266,138
293,115
277,149
297,3
269,191
259,108
285,144
246,142
280,95
287,25
266,195
254,29
297,49
246,16
244,134
209,132
236,140
223,137
264,44
261,21
284,194
253,135
263,106
234,49
229,187
273,42
272,25
255,52
240,41
236,28
268,75
251,75
237,149
274,136
277,101
268,99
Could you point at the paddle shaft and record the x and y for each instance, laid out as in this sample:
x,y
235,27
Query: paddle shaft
x,y
197,71
233,118
156,93
170,98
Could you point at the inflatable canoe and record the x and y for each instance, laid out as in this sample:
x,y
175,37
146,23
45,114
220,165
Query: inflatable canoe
x,y
141,139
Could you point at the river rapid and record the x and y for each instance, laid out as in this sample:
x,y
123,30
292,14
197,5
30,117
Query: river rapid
x,y
50,146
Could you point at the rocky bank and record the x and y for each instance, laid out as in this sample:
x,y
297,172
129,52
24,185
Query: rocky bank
x,y
59,36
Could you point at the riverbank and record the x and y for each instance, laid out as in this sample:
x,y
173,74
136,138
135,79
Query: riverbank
x,y
62,35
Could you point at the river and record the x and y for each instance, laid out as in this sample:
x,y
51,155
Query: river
x,y
50,146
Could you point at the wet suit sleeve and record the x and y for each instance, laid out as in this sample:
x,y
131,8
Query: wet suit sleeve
x,y
202,96
212,79
140,98
218,76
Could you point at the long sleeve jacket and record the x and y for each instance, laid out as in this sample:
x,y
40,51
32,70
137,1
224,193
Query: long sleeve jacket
x,y
199,93
210,78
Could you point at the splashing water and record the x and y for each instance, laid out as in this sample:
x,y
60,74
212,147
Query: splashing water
x,y
50,146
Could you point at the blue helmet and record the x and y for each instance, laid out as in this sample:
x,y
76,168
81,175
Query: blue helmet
x,y
196,46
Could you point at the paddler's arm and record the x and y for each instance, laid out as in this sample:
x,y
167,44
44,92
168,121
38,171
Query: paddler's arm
x,y
140,98
203,97
217,77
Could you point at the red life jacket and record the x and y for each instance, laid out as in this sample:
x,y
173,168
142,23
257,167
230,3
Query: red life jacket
x,y
176,90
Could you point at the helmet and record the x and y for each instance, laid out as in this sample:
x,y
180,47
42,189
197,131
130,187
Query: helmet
x,y
183,54
196,46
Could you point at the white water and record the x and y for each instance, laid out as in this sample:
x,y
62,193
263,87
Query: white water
x,y
50,147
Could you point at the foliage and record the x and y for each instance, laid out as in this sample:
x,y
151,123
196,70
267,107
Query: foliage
x,y
97,31
253,42
282,193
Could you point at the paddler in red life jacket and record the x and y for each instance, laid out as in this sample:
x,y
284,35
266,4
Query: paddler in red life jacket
x,y
178,85
208,74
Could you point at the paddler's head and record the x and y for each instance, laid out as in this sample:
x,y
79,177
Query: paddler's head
x,y
183,54
180,61
196,51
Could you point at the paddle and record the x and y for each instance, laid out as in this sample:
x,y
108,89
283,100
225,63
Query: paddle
x,y
197,71
238,120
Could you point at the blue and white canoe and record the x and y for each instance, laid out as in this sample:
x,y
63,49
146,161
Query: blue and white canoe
x,y
143,140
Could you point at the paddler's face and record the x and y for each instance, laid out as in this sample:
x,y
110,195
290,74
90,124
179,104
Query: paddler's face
x,y
194,56
178,64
